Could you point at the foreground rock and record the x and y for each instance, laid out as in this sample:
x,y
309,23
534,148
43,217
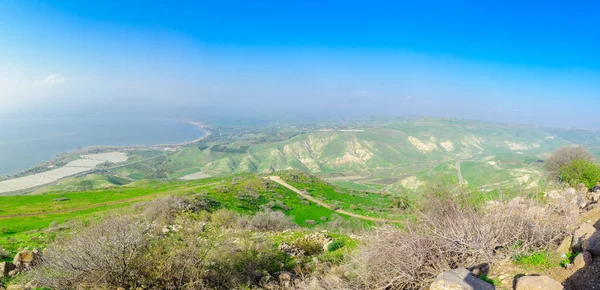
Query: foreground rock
x,y
592,244
582,260
582,234
565,246
537,283
6,268
459,279
17,287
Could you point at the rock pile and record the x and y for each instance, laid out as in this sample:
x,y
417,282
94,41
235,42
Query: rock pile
x,y
23,261
580,197
318,238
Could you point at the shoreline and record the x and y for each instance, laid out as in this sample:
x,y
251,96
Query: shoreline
x,y
199,125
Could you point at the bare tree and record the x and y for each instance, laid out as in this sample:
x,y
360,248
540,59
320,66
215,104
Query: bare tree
x,y
565,155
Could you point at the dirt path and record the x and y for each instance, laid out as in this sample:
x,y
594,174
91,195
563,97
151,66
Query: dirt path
x,y
96,205
325,205
461,181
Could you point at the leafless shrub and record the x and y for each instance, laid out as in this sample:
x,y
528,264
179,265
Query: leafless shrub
x,y
56,227
131,251
106,253
225,218
565,155
452,234
267,221
396,259
165,209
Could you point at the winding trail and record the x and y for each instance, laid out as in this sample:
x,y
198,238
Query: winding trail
x,y
325,205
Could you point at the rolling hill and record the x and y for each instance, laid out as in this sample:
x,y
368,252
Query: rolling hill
x,y
393,154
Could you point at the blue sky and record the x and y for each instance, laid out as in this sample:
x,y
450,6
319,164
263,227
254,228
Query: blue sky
x,y
534,62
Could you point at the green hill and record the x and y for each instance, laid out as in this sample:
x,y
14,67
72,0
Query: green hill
x,y
375,155
34,220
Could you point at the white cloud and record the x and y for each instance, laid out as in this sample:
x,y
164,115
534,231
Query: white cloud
x,y
51,80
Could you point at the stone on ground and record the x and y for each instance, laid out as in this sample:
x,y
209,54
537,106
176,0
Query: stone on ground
x,y
538,283
582,260
565,246
459,279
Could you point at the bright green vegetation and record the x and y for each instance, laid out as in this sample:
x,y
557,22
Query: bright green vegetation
x,y
359,202
580,171
56,208
494,281
243,193
539,259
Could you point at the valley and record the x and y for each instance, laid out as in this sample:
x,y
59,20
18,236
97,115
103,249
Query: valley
x,y
388,155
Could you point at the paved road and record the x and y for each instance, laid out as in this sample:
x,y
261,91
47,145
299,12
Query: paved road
x,y
325,205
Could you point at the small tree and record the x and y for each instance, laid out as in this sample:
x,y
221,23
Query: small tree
x,y
580,171
564,156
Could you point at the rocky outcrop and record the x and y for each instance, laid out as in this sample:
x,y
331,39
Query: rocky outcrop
x,y
23,261
26,259
291,250
537,283
580,198
317,238
6,268
320,238
581,235
592,244
459,279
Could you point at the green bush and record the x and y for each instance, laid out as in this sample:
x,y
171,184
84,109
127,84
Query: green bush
x,y
335,245
580,171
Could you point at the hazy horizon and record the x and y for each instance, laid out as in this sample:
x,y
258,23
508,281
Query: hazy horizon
x,y
525,63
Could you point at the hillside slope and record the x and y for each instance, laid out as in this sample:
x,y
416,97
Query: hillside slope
x,y
381,154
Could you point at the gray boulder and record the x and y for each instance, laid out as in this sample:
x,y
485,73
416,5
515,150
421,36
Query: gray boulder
x,y
584,232
459,279
592,244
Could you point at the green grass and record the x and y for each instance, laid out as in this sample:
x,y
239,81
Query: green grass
x,y
30,231
494,281
243,193
359,202
541,259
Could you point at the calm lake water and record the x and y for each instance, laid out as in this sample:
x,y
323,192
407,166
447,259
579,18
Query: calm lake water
x,y
25,143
